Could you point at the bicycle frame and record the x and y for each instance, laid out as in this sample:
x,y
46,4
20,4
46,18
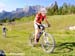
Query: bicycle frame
x,y
43,28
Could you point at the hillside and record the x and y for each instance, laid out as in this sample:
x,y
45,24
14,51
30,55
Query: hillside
x,y
17,40
20,12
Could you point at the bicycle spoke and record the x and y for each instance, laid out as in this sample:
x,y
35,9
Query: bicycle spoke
x,y
48,43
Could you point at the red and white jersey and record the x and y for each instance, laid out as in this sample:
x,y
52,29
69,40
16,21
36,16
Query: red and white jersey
x,y
39,18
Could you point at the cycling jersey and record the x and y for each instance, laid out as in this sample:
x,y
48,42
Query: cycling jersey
x,y
40,18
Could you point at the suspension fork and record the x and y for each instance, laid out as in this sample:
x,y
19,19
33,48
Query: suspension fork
x,y
45,38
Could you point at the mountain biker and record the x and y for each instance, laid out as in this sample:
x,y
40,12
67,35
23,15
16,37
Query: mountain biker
x,y
40,16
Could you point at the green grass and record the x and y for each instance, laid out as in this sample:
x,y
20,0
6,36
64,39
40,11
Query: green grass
x,y
17,40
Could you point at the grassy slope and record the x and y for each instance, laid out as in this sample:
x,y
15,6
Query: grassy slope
x,y
17,37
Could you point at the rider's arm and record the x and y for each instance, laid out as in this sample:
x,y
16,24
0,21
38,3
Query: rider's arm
x,y
47,22
35,20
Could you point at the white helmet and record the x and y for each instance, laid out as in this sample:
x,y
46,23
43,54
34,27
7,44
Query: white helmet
x,y
43,10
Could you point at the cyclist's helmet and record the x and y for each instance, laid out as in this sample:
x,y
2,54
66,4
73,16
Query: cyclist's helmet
x,y
43,10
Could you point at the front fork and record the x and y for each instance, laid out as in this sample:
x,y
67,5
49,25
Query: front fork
x,y
45,37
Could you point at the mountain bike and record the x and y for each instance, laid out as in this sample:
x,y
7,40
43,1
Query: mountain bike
x,y
47,40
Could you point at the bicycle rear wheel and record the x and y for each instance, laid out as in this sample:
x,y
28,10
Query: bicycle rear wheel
x,y
48,43
31,39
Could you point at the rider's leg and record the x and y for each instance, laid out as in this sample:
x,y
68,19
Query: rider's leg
x,y
37,30
36,35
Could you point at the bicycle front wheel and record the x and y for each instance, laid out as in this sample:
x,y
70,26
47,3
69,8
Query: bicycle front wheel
x,y
48,43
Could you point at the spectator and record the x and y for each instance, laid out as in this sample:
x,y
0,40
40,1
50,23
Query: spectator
x,y
4,29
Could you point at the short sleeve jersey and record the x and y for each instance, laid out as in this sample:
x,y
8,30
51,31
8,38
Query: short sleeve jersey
x,y
40,18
